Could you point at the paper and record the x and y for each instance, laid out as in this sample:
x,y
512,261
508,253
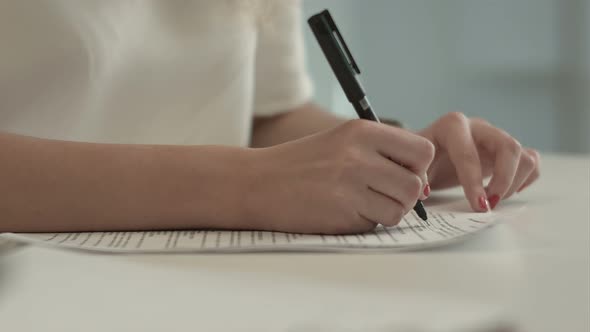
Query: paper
x,y
445,224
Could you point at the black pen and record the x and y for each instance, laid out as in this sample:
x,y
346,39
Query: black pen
x,y
346,70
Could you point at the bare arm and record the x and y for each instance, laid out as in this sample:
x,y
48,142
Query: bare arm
x,y
48,185
52,186
339,177
462,156
302,121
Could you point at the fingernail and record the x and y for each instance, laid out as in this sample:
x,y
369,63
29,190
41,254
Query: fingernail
x,y
427,190
484,204
494,200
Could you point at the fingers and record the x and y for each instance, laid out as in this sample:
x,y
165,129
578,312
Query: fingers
x,y
513,168
401,146
507,156
535,174
513,165
456,138
390,164
379,208
409,150
395,182
526,165
425,192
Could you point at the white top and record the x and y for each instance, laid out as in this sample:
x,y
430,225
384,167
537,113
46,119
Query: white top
x,y
141,71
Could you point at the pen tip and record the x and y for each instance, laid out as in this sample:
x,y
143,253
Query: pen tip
x,y
420,211
423,215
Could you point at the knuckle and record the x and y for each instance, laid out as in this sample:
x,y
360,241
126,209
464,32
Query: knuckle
x,y
481,121
513,146
428,151
358,127
534,154
455,117
353,160
347,131
527,161
414,187
352,154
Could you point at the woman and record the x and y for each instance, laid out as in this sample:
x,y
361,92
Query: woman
x,y
124,115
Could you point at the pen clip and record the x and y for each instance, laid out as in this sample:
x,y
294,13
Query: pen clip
x,y
341,41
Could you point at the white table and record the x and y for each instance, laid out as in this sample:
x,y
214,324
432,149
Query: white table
x,y
536,268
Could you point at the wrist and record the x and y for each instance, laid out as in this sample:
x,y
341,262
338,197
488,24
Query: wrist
x,y
254,186
246,174
213,182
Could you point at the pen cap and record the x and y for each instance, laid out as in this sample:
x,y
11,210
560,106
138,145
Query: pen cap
x,y
338,54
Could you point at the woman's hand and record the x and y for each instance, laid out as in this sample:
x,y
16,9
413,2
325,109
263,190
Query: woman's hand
x,y
469,150
343,180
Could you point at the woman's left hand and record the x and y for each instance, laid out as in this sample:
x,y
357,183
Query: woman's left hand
x,y
470,150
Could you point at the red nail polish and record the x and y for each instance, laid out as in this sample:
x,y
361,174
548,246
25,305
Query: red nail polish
x,y
494,200
427,190
484,204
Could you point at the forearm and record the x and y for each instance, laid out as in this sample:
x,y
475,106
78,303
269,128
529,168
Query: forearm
x,y
303,121
67,186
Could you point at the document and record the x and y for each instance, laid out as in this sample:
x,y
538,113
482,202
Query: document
x,y
445,224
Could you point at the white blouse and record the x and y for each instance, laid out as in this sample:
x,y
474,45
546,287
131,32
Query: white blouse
x,y
148,71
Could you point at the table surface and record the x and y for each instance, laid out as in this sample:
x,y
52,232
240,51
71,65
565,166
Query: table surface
x,y
532,270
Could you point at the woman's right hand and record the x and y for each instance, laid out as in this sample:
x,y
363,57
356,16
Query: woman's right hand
x,y
344,180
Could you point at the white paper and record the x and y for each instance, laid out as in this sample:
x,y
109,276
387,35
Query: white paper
x,y
445,224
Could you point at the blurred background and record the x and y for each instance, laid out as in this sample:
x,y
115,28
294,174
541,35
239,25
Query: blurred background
x,y
524,65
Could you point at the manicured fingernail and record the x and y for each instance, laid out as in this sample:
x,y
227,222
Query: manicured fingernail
x,y
427,190
484,204
494,200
